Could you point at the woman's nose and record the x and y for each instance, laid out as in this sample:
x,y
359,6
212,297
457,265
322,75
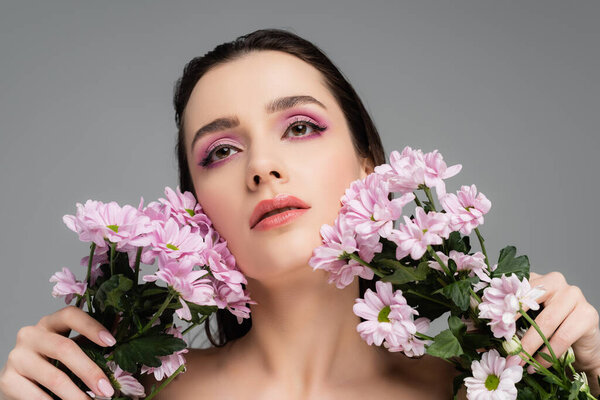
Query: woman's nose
x,y
265,169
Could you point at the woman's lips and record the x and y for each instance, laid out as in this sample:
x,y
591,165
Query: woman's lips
x,y
280,201
279,219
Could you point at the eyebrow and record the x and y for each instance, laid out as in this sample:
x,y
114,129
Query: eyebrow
x,y
276,105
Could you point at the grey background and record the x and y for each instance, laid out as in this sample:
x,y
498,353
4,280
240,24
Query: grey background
x,y
509,89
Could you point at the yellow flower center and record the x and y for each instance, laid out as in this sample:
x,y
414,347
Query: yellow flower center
x,y
114,228
383,314
492,382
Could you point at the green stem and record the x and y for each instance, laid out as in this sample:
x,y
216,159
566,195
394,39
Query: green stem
x,y
444,267
166,381
112,258
429,197
540,368
189,328
481,240
138,256
417,201
423,336
355,257
156,315
537,328
532,382
87,279
475,295
423,296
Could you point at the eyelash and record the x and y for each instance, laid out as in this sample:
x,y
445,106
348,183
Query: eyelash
x,y
206,162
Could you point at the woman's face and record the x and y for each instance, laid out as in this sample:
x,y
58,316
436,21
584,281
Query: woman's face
x,y
265,152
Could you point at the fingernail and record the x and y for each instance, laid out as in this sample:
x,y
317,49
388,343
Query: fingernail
x,y
107,338
105,387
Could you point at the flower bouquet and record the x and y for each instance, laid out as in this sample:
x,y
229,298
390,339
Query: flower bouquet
x,y
196,272
425,268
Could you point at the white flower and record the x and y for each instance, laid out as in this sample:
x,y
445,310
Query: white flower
x,y
494,377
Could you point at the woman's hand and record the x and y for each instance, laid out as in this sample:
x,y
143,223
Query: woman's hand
x,y
28,362
567,319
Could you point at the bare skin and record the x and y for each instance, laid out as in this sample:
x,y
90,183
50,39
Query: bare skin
x,y
303,343
225,375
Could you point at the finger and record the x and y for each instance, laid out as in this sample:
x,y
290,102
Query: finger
x,y
568,333
78,320
71,355
553,314
551,283
32,366
17,387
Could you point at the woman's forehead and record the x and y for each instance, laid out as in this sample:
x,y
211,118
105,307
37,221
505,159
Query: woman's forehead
x,y
251,82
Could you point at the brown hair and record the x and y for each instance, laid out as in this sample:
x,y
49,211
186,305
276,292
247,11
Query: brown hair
x,y
365,137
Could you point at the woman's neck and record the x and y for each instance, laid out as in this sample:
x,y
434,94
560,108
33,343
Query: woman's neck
x,y
304,331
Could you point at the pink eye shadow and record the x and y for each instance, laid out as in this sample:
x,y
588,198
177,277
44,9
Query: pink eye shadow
x,y
303,112
205,147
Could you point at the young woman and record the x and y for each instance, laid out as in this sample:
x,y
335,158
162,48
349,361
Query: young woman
x,y
269,116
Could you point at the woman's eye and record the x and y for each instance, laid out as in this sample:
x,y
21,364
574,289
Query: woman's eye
x,y
220,152
299,128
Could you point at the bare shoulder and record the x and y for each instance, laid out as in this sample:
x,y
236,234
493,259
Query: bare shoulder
x,y
203,375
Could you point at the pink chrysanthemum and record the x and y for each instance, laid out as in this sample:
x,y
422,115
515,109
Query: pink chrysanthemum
x,y
97,222
494,377
415,235
184,208
67,285
436,171
339,241
474,263
218,258
126,383
466,208
173,242
405,171
170,363
235,301
187,282
412,346
389,318
502,300
367,208
411,168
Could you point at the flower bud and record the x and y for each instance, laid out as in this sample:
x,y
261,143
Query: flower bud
x,y
474,304
582,377
512,346
568,357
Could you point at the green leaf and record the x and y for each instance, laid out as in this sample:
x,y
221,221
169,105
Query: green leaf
x,y
445,345
153,291
508,264
452,266
146,350
458,292
111,293
458,243
526,394
457,327
199,311
574,390
404,274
